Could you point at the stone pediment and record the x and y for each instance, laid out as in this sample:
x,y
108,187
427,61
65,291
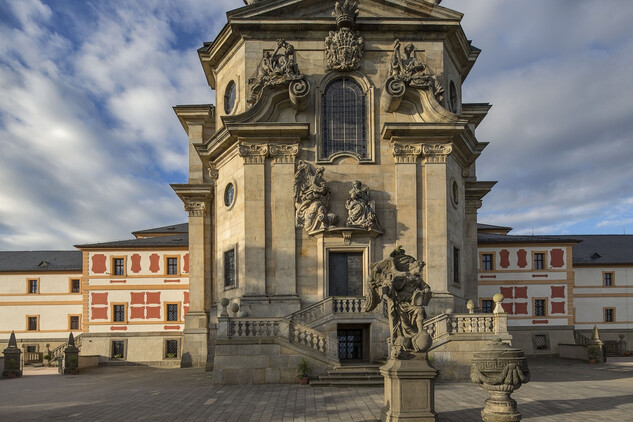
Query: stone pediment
x,y
322,9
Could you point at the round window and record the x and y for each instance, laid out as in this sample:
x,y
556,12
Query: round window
x,y
229,97
229,195
455,192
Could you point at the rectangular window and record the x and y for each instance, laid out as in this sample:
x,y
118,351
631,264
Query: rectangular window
x,y
74,322
75,286
33,286
486,262
609,314
539,307
607,279
486,306
172,266
171,348
118,349
539,261
119,266
455,265
540,342
172,311
229,268
118,313
32,323
31,349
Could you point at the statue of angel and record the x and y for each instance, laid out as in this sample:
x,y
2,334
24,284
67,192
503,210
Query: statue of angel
x,y
398,279
312,198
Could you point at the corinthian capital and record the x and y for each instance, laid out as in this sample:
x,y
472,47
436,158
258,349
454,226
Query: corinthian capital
x,y
253,153
472,205
283,153
437,153
196,207
406,153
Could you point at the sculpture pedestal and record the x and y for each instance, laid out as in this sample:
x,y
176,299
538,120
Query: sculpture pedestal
x,y
500,407
409,390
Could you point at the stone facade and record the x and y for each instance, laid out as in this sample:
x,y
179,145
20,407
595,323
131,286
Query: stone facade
x,y
274,168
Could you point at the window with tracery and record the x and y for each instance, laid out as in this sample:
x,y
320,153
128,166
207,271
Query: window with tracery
x,y
344,117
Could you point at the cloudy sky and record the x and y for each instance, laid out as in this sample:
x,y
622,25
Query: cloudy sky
x,y
89,142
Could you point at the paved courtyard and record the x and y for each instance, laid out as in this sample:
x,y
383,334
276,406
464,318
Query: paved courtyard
x,y
559,391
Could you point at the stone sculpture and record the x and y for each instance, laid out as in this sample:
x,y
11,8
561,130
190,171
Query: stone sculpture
x,y
276,69
500,369
405,71
361,209
312,199
344,47
398,279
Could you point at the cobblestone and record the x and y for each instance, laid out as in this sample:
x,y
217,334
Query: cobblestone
x,y
559,391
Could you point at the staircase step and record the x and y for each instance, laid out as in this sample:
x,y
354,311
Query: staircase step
x,y
347,383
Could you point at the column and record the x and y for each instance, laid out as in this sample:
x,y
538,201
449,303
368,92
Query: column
x,y
283,216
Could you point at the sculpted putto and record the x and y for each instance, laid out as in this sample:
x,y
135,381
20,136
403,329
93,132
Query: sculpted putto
x,y
411,71
312,199
361,209
398,279
275,69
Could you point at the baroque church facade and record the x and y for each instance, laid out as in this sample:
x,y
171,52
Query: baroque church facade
x,y
338,135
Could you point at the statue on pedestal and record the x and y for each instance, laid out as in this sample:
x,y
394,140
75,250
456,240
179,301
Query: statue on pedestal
x,y
361,209
312,199
398,279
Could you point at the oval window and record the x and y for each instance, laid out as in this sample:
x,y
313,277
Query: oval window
x,y
229,195
455,192
229,97
452,92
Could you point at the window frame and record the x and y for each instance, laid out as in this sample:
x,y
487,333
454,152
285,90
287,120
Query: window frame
x,y
235,268
604,314
166,313
37,285
492,261
113,313
113,260
166,259
456,267
70,325
70,285
545,306
481,305
37,323
547,344
611,281
368,91
124,344
166,349
534,253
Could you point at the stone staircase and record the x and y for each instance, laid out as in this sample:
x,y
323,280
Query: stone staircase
x,y
360,375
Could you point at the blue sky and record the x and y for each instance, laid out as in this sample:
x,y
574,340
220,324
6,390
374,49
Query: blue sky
x,y
89,142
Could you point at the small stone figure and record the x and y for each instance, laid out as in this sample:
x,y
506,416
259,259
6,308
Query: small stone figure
x,y
411,71
275,69
361,209
312,199
398,279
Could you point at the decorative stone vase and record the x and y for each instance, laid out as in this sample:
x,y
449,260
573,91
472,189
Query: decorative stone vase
x,y
500,369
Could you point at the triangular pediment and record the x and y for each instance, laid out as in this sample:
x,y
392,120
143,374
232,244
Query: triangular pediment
x,y
322,9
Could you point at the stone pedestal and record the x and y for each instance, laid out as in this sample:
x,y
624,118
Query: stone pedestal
x,y
12,359
71,357
409,390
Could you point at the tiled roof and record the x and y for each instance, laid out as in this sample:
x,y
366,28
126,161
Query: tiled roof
x,y
601,249
175,240
174,228
490,238
40,261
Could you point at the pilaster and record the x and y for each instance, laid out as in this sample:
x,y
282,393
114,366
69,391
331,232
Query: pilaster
x,y
407,193
254,248
197,203
283,214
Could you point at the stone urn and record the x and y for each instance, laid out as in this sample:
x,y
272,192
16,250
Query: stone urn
x,y
500,369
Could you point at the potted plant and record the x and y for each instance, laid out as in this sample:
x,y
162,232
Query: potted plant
x,y
47,358
14,367
594,353
303,370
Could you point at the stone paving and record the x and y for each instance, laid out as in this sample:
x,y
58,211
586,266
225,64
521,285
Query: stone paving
x,y
559,391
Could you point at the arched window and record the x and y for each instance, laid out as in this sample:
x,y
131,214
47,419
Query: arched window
x,y
344,118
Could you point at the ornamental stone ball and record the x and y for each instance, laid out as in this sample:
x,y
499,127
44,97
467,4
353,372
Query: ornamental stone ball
x,y
234,308
224,302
